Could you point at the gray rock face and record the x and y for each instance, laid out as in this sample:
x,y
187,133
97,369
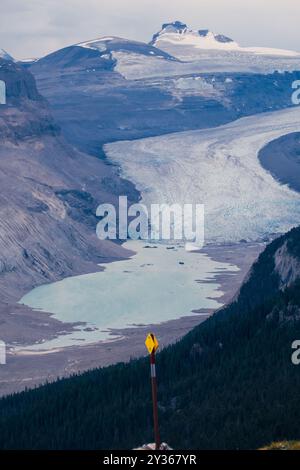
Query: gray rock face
x,y
5,55
286,266
26,112
177,27
20,84
222,38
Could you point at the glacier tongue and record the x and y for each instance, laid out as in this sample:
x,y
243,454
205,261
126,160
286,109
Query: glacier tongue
x,y
220,168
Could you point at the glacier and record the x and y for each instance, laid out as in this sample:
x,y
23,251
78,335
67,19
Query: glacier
x,y
135,66
217,167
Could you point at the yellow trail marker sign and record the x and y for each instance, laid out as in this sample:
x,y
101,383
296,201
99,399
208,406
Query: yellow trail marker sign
x,y
151,343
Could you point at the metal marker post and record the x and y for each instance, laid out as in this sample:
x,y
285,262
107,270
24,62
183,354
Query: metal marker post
x,y
152,346
154,400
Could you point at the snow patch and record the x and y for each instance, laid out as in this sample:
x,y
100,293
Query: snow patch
x,y
96,43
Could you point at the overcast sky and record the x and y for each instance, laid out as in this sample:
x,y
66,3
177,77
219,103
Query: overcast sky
x,y
32,28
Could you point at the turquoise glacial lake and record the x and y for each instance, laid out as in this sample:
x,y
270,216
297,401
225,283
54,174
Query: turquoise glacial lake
x,y
157,284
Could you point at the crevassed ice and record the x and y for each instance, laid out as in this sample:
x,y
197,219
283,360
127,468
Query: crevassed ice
x,y
219,168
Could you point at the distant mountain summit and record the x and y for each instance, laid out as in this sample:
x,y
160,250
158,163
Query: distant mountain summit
x,y
176,27
102,54
178,31
108,45
178,39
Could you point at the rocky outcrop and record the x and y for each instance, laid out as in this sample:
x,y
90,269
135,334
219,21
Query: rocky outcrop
x,y
26,113
287,266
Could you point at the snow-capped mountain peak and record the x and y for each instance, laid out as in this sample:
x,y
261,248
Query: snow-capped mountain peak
x,y
204,38
5,55
108,53
175,27
112,45
184,43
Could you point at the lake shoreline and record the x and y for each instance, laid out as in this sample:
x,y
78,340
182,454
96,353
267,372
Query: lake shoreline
x,y
157,284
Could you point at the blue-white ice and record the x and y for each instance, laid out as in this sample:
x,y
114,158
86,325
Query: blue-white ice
x,y
220,168
151,287
136,66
